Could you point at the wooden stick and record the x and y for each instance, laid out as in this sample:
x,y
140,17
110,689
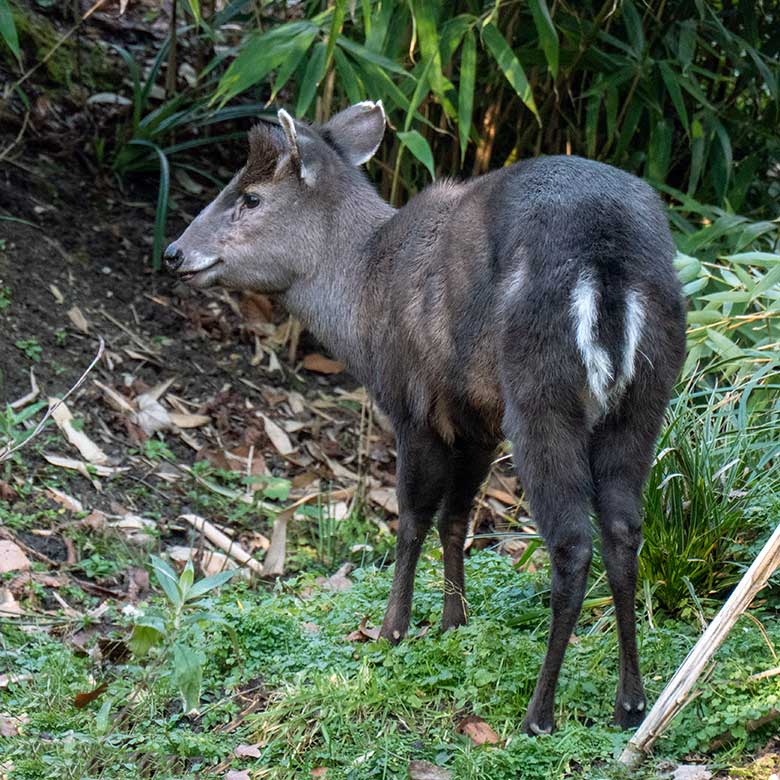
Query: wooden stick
x,y
677,693
231,547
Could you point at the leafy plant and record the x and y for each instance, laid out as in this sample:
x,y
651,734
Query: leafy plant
x,y
8,30
12,429
166,632
30,347
710,494
5,297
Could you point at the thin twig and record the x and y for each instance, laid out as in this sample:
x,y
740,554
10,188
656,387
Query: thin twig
x,y
18,138
8,450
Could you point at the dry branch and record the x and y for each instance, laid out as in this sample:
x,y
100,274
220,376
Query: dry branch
x,y
678,692
224,542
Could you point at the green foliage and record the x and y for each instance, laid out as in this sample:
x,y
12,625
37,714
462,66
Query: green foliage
x,y
166,631
710,494
8,30
31,348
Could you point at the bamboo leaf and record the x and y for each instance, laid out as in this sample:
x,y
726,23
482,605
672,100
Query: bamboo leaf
x,y
162,203
8,30
297,51
510,66
425,17
420,148
548,36
258,57
675,93
315,70
348,76
336,24
468,72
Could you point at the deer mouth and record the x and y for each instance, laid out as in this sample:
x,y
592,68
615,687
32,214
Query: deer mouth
x,y
187,276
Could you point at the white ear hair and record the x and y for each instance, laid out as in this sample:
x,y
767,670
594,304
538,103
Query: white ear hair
x,y
288,125
307,174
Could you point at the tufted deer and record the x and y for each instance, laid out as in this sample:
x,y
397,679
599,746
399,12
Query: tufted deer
x,y
537,303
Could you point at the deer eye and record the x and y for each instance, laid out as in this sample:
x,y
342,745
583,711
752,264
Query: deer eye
x,y
250,200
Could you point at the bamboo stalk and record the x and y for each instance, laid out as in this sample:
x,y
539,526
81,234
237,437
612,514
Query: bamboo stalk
x,y
677,693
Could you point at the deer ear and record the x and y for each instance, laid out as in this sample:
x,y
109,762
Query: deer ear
x,y
305,173
358,130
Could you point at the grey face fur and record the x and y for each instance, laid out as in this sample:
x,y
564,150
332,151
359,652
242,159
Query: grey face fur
x,y
270,227
537,303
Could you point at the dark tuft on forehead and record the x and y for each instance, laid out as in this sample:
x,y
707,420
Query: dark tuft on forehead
x,y
265,147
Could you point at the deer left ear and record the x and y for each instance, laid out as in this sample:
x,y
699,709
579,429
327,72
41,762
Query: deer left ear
x,y
305,173
358,130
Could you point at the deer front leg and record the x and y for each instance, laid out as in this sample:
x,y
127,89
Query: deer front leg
x,y
421,478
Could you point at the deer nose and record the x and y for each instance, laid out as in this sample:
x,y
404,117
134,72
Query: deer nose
x,y
173,257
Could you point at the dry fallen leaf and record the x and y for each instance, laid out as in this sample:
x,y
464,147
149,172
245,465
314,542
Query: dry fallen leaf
x,y
8,726
7,492
238,774
181,420
137,529
81,467
76,316
322,365
152,416
70,503
386,498
425,770
13,679
9,607
247,751
81,700
477,730
339,580
12,557
64,419
319,771
363,634
278,437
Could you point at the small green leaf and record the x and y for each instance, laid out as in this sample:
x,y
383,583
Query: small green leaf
x,y
201,587
468,72
8,30
548,36
186,579
277,488
420,148
195,9
168,580
188,674
101,718
145,636
510,66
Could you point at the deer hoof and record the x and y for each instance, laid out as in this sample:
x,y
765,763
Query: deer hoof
x,y
629,712
535,729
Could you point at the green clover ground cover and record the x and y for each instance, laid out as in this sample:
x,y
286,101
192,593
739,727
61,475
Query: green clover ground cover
x,y
364,710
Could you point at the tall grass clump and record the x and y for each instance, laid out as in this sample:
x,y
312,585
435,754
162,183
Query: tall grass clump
x,y
710,495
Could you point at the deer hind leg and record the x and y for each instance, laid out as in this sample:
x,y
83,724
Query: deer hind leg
x,y
422,475
550,449
469,466
621,451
